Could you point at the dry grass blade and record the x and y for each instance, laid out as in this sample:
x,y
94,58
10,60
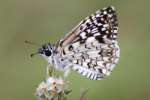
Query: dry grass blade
x,y
82,96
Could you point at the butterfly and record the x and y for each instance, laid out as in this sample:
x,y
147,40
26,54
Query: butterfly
x,y
91,48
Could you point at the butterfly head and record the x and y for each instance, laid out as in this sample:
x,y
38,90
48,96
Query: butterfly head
x,y
46,51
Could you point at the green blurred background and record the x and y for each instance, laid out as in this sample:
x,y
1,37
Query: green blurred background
x,y
43,21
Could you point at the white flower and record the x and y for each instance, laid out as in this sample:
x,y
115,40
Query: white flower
x,y
51,89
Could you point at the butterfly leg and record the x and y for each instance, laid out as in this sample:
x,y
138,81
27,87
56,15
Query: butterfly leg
x,y
67,70
66,73
49,71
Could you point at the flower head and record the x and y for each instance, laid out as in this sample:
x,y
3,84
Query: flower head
x,y
51,89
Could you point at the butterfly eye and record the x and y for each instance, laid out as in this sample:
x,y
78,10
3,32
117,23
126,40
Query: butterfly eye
x,y
48,53
45,50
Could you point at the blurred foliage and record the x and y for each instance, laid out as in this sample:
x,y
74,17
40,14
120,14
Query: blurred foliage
x,y
43,21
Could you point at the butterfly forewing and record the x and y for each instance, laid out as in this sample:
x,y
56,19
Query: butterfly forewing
x,y
91,46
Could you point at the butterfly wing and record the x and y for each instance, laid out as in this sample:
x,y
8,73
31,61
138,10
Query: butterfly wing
x,y
92,45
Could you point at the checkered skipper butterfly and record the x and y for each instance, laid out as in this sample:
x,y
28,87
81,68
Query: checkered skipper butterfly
x,y
90,49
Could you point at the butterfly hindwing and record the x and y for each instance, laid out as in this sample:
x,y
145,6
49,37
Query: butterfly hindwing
x,y
91,46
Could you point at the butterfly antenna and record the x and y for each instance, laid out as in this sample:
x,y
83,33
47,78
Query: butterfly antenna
x,y
31,43
33,54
